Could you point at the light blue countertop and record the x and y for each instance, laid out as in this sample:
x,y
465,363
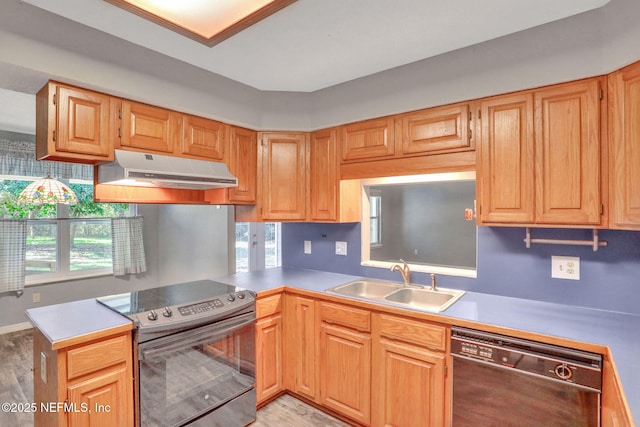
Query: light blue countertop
x,y
60,322
618,331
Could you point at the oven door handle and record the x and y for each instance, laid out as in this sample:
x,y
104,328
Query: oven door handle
x,y
195,337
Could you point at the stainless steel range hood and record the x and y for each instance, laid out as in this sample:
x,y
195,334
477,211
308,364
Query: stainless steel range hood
x,y
132,168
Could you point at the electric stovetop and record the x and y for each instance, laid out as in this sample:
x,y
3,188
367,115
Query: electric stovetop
x,y
134,302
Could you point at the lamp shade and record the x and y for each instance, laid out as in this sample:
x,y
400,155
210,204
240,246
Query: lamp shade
x,y
48,191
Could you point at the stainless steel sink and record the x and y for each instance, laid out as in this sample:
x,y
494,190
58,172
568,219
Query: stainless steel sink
x,y
366,289
426,299
396,293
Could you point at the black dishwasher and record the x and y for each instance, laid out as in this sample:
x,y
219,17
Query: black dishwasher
x,y
504,381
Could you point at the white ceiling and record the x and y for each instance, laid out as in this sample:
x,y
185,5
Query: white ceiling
x,y
314,44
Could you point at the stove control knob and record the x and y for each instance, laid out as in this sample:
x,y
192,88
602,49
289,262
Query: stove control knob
x,y
231,298
167,312
152,315
241,296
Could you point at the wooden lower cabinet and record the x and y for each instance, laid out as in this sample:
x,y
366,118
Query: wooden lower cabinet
x,y
301,339
269,347
268,357
409,387
345,372
87,384
614,410
103,395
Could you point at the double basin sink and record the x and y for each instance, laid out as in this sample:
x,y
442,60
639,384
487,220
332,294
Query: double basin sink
x,y
417,297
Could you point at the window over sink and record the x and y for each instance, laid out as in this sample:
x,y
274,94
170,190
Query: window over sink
x,y
426,220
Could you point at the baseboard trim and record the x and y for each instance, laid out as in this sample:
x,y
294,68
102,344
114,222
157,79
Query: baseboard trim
x,y
15,327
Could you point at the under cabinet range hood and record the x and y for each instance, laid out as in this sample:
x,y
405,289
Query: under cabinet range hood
x,y
137,169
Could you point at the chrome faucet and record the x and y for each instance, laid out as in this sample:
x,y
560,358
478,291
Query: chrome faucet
x,y
404,270
433,282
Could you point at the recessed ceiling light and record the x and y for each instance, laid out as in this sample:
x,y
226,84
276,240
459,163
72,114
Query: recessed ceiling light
x,y
206,21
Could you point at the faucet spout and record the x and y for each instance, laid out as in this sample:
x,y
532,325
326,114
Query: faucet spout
x,y
404,271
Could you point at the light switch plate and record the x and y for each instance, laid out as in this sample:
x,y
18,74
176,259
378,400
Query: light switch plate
x,y
307,246
565,267
341,248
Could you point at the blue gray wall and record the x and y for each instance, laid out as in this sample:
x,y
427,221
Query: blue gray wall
x,y
609,278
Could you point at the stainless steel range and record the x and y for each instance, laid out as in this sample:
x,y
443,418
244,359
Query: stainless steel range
x,y
194,344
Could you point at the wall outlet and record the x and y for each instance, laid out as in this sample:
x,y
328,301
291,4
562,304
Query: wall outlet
x,y
565,267
36,297
341,248
307,246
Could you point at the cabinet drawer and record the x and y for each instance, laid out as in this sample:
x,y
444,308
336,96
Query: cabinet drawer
x,y
268,306
420,333
96,356
345,316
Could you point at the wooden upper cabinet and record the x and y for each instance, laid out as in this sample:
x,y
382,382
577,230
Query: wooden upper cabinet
x,y
546,173
568,150
74,125
437,130
242,161
323,176
149,128
283,170
624,140
204,138
368,140
505,178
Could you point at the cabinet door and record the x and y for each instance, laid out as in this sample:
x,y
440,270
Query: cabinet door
x,y
345,372
624,140
436,130
323,179
243,160
567,138
74,124
409,386
268,357
149,128
284,176
204,138
368,140
301,347
505,178
105,399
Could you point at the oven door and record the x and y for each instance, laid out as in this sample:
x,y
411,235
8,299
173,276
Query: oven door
x,y
189,376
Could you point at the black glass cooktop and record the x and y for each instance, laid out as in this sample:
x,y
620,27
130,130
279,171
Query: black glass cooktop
x,y
157,298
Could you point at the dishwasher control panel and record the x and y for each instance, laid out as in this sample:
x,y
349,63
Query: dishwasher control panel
x,y
572,366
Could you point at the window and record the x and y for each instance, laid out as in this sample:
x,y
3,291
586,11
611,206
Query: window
x,y
63,241
421,219
375,218
257,246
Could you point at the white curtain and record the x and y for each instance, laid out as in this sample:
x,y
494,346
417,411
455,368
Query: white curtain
x,y
13,254
127,246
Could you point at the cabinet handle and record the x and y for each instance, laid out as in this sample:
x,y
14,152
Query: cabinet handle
x,y
54,135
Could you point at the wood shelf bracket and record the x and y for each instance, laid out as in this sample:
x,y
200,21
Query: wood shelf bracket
x,y
595,243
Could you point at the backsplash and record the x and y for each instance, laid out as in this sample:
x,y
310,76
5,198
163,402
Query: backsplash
x,y
609,278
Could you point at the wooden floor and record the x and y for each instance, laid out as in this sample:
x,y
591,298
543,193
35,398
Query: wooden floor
x,y
16,386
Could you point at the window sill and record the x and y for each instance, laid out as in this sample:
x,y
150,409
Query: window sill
x,y
50,278
421,268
